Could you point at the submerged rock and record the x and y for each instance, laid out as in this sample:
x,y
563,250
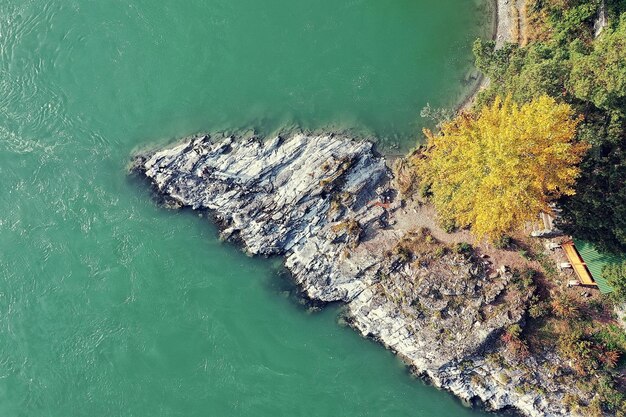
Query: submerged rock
x,y
325,203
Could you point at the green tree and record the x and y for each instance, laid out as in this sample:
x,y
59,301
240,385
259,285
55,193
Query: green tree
x,y
600,75
522,73
616,277
597,212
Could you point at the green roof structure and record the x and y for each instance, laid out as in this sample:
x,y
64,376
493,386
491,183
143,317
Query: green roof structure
x,y
596,261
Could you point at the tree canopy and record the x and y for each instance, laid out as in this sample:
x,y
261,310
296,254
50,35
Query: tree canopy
x,y
600,75
496,170
598,78
616,276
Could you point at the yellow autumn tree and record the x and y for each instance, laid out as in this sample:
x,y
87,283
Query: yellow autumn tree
x,y
501,167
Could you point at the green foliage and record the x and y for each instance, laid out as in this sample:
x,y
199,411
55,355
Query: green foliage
x,y
524,279
597,212
448,225
612,337
611,398
439,252
575,21
504,242
538,309
615,8
565,307
616,277
600,75
514,330
463,248
425,190
504,378
575,346
524,73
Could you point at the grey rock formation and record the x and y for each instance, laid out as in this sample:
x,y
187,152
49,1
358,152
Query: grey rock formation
x,y
325,203
307,198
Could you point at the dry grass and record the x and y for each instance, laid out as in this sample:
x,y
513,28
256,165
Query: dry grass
x,y
515,21
537,27
418,245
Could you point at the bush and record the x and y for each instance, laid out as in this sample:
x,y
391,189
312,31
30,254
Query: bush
x,y
463,248
425,190
515,330
538,309
404,254
565,307
616,277
572,402
524,279
504,242
612,399
574,346
504,378
448,226
612,337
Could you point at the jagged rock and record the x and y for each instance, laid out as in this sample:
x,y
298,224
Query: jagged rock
x,y
325,203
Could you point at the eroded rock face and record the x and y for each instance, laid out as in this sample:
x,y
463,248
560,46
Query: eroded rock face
x,y
325,203
307,198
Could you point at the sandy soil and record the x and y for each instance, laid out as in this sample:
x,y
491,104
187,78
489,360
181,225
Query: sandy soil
x,y
424,215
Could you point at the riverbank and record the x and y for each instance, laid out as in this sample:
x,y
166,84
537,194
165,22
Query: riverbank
x,y
347,236
508,27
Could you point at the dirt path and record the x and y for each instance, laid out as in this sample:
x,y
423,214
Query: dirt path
x,y
414,217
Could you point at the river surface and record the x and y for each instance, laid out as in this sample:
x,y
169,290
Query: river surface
x,y
112,306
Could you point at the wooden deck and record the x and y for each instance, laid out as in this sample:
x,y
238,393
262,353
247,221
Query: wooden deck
x,y
578,264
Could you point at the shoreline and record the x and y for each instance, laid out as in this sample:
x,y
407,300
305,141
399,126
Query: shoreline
x,y
501,33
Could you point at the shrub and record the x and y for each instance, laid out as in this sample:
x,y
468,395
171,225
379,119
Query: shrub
x,y
610,358
612,337
439,252
537,309
448,226
564,307
573,345
616,277
463,248
425,190
504,378
504,242
515,330
571,402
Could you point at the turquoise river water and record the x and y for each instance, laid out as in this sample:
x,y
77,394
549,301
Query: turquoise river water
x,y
112,306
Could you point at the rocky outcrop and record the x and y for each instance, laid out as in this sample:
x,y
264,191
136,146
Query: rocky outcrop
x,y
308,199
327,205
